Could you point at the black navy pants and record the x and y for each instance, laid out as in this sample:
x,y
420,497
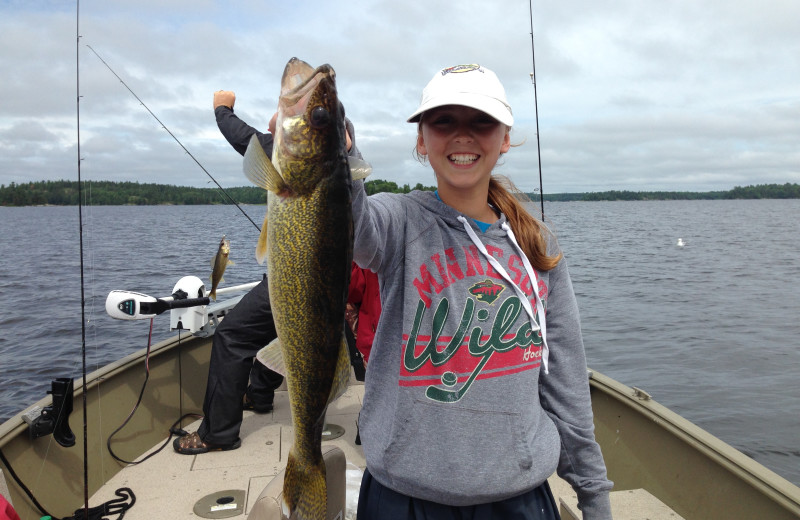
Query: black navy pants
x,y
246,329
377,502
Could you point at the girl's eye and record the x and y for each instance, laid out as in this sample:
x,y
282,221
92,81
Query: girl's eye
x,y
484,121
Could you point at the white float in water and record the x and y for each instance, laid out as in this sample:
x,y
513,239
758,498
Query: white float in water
x,y
680,243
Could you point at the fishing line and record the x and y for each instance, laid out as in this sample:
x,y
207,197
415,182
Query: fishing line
x,y
536,109
175,138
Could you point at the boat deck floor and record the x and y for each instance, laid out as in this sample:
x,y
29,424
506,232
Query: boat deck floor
x,y
169,485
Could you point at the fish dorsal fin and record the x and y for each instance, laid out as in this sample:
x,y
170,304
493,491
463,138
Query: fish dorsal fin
x,y
359,168
260,170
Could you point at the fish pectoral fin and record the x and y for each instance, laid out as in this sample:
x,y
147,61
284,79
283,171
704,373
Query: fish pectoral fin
x,y
261,246
260,170
272,357
359,168
341,377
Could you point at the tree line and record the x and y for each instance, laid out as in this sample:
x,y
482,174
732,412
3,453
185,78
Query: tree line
x,y
761,191
104,193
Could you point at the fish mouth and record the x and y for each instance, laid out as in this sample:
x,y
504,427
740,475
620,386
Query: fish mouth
x,y
463,159
298,83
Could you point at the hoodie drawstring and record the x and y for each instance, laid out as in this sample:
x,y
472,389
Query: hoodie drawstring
x,y
541,326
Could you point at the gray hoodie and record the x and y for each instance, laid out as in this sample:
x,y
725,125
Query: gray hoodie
x,y
457,407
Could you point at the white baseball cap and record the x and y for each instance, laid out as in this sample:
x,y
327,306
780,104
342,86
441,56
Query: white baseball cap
x,y
468,85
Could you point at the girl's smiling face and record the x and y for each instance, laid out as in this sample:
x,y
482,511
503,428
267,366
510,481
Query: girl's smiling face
x,y
462,145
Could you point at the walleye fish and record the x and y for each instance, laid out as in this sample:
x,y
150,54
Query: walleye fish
x,y
307,239
218,265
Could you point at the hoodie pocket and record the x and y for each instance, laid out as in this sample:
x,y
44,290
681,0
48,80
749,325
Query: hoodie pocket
x,y
446,447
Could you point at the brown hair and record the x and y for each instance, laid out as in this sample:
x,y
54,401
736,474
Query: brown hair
x,y
530,232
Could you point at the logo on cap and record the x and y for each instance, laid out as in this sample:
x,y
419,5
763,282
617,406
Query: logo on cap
x,y
462,68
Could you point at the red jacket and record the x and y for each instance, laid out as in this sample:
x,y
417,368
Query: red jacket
x,y
6,511
365,296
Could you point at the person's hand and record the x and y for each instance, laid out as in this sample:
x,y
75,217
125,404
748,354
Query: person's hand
x,y
224,98
271,126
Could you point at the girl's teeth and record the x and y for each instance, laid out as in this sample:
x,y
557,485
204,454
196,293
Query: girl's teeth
x,y
463,158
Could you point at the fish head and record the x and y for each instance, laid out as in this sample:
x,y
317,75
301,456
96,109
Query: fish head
x,y
310,135
224,246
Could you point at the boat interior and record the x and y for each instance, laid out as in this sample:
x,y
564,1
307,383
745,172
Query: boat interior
x,y
662,468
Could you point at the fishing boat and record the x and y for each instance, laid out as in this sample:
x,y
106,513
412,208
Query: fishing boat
x,y
663,466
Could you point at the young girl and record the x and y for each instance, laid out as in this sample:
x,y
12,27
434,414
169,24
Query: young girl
x,y
477,387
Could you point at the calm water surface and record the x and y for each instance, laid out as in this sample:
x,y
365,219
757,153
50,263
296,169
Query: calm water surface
x,y
709,329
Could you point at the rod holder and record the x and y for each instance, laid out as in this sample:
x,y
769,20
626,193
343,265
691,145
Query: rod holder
x,y
55,418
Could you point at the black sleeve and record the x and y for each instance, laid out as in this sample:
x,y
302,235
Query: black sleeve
x,y
238,133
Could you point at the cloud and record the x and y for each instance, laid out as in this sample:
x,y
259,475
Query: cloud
x,y
643,96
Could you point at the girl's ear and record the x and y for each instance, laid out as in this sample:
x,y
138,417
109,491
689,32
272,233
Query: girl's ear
x,y
506,143
421,149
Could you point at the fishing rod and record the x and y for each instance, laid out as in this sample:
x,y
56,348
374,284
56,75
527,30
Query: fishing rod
x,y
536,108
175,138
83,297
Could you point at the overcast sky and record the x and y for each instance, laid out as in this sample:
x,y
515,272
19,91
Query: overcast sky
x,y
632,94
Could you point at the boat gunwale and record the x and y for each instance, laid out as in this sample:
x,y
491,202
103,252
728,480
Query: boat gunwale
x,y
15,425
761,478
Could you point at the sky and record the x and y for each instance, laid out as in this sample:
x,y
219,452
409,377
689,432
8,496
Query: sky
x,y
632,94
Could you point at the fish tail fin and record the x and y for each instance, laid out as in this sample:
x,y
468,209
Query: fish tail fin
x,y
341,377
213,295
305,491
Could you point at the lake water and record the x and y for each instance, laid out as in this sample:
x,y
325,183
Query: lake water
x,y
709,329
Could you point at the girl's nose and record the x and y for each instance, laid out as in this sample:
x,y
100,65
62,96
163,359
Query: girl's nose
x,y
463,133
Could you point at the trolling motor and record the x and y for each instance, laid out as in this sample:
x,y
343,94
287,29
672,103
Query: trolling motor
x,y
55,418
130,305
188,304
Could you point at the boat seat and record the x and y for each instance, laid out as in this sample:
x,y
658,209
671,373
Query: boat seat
x,y
268,504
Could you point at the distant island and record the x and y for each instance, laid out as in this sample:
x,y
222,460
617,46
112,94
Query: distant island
x,y
107,193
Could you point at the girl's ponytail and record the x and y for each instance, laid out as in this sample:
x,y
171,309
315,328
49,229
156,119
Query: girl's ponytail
x,y
531,234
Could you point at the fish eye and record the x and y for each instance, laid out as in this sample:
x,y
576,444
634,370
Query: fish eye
x,y
320,117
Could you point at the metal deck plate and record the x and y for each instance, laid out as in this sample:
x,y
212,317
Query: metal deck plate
x,y
222,504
